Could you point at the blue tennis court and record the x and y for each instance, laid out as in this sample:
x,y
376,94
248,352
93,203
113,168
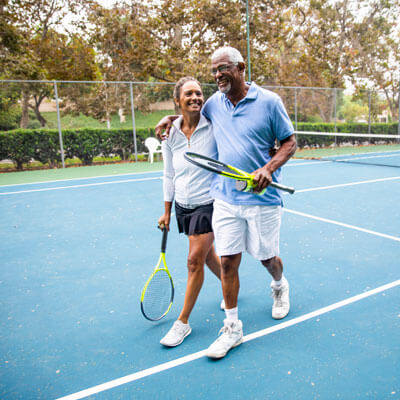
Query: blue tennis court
x,y
76,253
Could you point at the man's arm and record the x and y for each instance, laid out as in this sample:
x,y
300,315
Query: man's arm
x,y
263,175
165,125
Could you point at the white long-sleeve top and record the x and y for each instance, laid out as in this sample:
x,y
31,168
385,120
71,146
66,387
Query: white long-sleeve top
x,y
183,181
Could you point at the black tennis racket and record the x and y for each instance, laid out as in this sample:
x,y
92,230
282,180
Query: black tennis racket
x,y
244,180
158,292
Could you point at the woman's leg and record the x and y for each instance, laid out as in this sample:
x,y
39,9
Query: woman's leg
x,y
199,248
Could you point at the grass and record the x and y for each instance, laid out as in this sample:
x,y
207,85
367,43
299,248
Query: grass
x,y
142,120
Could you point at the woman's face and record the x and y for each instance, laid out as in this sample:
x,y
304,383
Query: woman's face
x,y
190,98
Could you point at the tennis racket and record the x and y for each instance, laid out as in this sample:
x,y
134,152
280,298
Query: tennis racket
x,y
244,180
158,292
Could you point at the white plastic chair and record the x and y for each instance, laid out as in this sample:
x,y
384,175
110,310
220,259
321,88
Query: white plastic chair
x,y
153,146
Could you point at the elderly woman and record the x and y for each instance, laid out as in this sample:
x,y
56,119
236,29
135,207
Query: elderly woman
x,y
189,186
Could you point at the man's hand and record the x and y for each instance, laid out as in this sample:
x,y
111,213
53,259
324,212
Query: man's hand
x,y
262,178
163,127
263,175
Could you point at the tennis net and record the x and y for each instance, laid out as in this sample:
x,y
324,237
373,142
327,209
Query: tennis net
x,y
371,149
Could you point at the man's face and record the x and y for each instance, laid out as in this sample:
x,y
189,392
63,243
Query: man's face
x,y
227,74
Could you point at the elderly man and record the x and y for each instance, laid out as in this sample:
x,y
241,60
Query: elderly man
x,y
247,121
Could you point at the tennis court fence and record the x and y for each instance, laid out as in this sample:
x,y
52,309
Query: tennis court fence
x,y
65,105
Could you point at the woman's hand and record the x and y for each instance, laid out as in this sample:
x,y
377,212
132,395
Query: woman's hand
x,y
163,221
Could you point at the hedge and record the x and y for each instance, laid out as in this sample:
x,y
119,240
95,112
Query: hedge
x,y
25,145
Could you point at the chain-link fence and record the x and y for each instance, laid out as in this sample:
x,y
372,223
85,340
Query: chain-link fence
x,y
134,106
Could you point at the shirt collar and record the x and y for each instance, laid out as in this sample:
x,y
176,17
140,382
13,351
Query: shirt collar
x,y
251,93
177,123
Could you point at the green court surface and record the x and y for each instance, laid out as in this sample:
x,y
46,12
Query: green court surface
x,y
13,178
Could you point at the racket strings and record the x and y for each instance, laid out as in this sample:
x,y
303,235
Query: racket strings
x,y
158,295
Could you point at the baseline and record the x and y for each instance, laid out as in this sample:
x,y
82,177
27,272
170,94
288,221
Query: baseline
x,y
80,186
80,179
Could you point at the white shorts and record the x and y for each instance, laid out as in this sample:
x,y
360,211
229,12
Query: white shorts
x,y
239,228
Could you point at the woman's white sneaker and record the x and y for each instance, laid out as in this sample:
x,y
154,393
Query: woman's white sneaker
x,y
231,335
176,334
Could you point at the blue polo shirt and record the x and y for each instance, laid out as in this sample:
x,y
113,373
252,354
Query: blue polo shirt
x,y
244,134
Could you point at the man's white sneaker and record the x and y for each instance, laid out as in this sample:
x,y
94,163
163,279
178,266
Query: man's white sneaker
x,y
231,335
281,305
176,334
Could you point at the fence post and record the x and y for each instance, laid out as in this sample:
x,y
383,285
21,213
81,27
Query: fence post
x,y
295,108
133,121
59,125
334,105
369,111
398,116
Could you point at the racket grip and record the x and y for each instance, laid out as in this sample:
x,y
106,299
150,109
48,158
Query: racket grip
x,y
164,240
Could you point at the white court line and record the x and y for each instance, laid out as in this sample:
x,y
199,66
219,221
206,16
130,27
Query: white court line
x,y
348,184
81,179
80,186
160,177
195,356
300,164
330,221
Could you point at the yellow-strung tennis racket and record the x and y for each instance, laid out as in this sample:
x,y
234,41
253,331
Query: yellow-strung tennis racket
x,y
244,180
158,292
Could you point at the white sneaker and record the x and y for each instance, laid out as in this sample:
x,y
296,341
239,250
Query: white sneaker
x,y
281,305
176,334
222,305
231,335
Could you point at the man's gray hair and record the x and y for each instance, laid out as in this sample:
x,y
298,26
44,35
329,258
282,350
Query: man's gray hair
x,y
233,54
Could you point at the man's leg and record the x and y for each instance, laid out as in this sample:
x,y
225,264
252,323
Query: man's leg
x,y
232,331
279,286
230,234
230,279
274,266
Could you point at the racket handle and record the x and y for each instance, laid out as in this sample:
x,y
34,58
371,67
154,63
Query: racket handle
x,y
245,186
164,240
282,187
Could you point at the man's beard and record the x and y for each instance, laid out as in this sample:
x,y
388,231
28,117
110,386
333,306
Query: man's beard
x,y
225,89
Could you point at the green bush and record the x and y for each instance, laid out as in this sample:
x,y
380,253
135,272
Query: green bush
x,y
43,145
27,145
9,119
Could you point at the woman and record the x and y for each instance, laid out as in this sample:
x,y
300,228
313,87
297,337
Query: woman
x,y
189,186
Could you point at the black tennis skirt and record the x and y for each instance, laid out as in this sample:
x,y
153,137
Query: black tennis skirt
x,y
194,221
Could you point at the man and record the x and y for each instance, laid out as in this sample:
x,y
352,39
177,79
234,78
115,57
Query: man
x,y
247,121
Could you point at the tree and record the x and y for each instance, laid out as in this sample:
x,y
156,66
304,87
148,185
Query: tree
x,y
376,39
35,20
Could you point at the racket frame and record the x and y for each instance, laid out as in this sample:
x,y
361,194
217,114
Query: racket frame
x,y
157,268
238,174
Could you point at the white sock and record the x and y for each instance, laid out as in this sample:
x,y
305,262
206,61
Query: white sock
x,y
232,314
277,284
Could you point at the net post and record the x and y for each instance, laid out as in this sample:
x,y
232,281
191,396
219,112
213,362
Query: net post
x,y
133,121
59,125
